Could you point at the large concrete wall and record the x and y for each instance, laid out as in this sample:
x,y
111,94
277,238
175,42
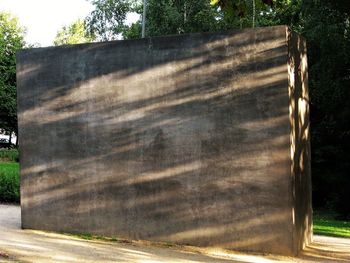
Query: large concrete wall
x,y
193,139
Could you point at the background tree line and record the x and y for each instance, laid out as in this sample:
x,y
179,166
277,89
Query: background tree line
x,y
325,24
11,39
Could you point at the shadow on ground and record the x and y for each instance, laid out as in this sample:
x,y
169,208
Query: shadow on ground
x,y
39,246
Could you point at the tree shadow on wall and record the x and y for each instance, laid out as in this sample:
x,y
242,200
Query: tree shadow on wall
x,y
182,139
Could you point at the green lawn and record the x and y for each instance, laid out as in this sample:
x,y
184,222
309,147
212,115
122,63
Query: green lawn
x,y
328,226
9,155
9,182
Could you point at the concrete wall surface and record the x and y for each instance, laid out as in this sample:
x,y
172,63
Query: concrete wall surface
x,y
197,139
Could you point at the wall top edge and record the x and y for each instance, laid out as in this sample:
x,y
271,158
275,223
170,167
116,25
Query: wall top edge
x,y
158,38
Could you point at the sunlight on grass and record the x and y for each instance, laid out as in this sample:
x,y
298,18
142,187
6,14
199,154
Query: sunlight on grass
x,y
9,182
9,167
331,227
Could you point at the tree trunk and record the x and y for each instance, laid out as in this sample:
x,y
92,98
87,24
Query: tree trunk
x,y
254,10
10,139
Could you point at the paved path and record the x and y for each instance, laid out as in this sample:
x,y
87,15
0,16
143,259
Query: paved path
x,y
38,246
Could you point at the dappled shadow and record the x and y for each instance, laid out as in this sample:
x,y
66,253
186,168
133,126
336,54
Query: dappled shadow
x,y
327,249
35,246
38,246
300,139
183,139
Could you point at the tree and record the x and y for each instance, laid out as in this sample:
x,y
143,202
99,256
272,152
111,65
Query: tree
x,y
246,10
11,39
108,20
74,33
181,16
326,26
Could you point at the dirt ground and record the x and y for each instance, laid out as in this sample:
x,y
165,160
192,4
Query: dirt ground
x,y
38,246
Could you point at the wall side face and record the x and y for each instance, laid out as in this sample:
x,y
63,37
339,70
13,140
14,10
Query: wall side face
x,y
300,140
179,139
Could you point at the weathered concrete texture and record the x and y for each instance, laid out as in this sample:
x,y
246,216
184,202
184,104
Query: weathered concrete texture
x,y
196,139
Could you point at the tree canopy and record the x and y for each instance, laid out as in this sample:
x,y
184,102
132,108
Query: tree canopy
x,y
326,26
74,33
11,39
108,19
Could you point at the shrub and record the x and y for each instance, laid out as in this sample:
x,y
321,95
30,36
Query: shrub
x,y
9,183
9,155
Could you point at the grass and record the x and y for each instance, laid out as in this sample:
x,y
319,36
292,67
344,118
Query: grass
x,y
326,225
92,237
9,182
9,155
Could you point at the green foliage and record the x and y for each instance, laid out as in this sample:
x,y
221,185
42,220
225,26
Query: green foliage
x,y
283,12
133,31
108,20
246,10
326,26
11,39
9,182
11,155
74,33
181,16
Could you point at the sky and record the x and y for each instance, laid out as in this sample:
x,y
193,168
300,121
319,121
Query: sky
x,y
43,18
